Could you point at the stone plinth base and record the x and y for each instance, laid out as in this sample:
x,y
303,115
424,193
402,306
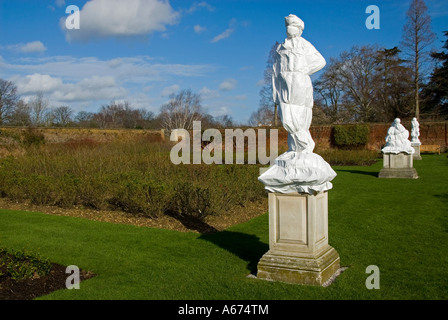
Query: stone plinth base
x,y
398,166
299,270
416,147
404,173
299,252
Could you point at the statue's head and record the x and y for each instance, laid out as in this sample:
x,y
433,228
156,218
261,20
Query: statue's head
x,y
397,121
294,26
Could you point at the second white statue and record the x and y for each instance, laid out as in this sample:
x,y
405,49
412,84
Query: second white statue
x,y
299,169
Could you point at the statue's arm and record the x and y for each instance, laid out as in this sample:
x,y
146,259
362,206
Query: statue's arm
x,y
314,59
275,86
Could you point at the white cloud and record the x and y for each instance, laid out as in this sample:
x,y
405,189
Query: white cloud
x,y
60,3
138,69
58,91
37,82
218,108
200,5
89,81
170,90
198,29
227,33
223,35
118,18
30,47
228,85
222,111
207,94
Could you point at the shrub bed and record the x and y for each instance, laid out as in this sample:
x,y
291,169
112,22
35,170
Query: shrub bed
x,y
133,176
351,136
22,265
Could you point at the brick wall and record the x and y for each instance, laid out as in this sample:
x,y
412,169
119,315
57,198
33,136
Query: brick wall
x,y
430,133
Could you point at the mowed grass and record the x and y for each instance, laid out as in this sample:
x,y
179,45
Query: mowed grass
x,y
399,225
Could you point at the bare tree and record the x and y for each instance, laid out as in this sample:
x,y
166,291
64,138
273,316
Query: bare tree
x,y
109,115
329,92
62,116
183,108
48,118
121,115
417,37
266,100
38,107
8,99
21,115
357,69
85,119
262,117
224,121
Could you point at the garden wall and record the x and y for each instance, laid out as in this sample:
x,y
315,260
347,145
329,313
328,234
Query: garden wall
x,y
430,133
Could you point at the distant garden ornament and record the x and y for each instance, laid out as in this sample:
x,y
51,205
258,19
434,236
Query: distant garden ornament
x,y
299,169
415,141
397,139
415,131
398,154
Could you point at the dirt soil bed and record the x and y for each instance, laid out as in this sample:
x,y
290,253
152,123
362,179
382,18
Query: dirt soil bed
x,y
37,286
211,224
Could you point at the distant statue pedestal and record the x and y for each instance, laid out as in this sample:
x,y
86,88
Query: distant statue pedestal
x,y
398,154
416,146
398,166
299,252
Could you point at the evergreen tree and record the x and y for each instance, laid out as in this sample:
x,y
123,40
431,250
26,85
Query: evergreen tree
x,y
435,93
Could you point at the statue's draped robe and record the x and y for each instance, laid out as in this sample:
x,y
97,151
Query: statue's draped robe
x,y
415,132
397,140
296,59
299,169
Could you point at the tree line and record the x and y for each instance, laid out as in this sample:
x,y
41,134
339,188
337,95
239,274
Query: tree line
x,y
180,111
375,84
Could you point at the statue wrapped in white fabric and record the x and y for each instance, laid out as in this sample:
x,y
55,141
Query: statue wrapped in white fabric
x,y
397,139
299,169
398,154
415,141
415,132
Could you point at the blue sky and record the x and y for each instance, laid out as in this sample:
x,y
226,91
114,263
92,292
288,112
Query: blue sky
x,y
143,50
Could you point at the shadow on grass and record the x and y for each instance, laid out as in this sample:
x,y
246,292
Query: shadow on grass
x,y
192,223
443,197
443,220
246,246
368,173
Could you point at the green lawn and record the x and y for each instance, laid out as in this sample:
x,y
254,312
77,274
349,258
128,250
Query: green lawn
x,y
399,225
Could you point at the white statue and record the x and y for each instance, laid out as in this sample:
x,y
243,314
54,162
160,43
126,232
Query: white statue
x,y
299,169
397,139
415,132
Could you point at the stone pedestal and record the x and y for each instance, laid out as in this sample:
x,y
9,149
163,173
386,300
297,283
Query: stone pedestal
x,y
416,147
398,166
299,252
